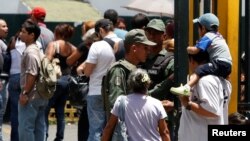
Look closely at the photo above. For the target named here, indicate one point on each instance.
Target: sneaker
(182, 90)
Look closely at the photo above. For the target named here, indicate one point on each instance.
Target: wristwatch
(188, 107)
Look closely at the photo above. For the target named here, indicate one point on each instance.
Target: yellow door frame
(228, 13)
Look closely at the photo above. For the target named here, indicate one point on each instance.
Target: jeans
(32, 121)
(58, 101)
(216, 67)
(14, 92)
(3, 103)
(96, 116)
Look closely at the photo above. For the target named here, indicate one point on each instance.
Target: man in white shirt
(207, 105)
(100, 57)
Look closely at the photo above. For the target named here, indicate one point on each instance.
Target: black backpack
(7, 62)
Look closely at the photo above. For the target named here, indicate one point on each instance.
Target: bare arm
(80, 68)
(196, 107)
(109, 129)
(30, 82)
(88, 70)
(192, 50)
(50, 51)
(74, 56)
(168, 105)
(163, 130)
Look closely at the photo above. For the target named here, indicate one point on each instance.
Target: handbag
(78, 90)
(120, 132)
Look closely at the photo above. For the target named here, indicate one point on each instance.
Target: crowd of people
(138, 63)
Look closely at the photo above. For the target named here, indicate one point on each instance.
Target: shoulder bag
(78, 90)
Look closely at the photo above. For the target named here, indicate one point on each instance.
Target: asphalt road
(69, 135)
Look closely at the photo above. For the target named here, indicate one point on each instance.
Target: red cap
(38, 12)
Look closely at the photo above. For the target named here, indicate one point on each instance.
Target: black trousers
(83, 124)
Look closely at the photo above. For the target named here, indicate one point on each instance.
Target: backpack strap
(125, 64)
(163, 59)
(157, 70)
(57, 47)
(110, 42)
(119, 51)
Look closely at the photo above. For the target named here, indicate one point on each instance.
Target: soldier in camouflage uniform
(114, 84)
(160, 67)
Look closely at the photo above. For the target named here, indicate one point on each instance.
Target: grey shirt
(216, 47)
(30, 64)
(45, 37)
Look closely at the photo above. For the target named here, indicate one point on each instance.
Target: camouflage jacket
(115, 83)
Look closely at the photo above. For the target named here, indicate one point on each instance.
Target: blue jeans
(3, 103)
(215, 67)
(14, 92)
(58, 101)
(96, 116)
(32, 121)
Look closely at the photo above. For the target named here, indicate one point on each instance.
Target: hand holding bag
(79, 87)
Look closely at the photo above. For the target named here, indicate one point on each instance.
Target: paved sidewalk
(70, 132)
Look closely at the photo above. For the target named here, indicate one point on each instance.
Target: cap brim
(149, 43)
(196, 20)
(155, 28)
